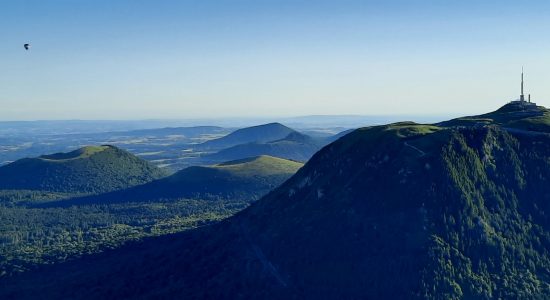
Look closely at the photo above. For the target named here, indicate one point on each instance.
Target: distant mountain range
(173, 148)
(91, 169)
(295, 146)
(255, 134)
(270, 139)
(189, 132)
(246, 179)
(26, 128)
(455, 210)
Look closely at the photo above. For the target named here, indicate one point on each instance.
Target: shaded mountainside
(91, 169)
(401, 211)
(295, 146)
(246, 179)
(255, 134)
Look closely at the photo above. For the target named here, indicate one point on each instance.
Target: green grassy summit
(83, 152)
(512, 115)
(261, 165)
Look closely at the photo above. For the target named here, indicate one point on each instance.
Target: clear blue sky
(134, 59)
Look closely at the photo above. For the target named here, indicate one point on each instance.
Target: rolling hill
(256, 134)
(295, 146)
(91, 169)
(246, 179)
(401, 211)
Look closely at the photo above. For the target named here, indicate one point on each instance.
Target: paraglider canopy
(27, 46)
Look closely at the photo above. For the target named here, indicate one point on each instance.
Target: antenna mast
(522, 97)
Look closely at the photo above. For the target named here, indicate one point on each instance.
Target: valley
(60, 206)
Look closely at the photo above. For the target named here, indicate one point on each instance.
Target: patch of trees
(32, 236)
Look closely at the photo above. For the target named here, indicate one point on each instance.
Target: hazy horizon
(135, 60)
(237, 117)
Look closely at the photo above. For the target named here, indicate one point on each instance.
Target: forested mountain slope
(91, 169)
(401, 211)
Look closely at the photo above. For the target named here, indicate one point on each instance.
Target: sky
(137, 59)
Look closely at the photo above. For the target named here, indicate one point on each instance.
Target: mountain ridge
(404, 210)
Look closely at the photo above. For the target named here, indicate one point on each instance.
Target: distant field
(162, 148)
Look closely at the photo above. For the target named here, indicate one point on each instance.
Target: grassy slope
(83, 152)
(260, 166)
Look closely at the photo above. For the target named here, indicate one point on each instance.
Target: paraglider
(27, 46)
